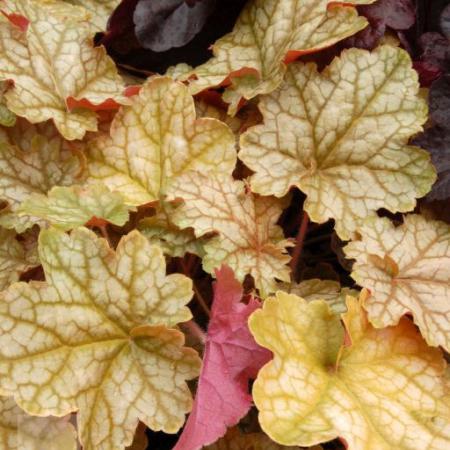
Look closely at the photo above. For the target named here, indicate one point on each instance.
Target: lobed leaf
(155, 140)
(98, 11)
(98, 337)
(386, 389)
(248, 240)
(341, 137)
(70, 207)
(407, 270)
(18, 431)
(57, 72)
(268, 34)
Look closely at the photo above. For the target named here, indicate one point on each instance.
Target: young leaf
(55, 67)
(98, 11)
(235, 440)
(98, 337)
(33, 159)
(316, 289)
(14, 258)
(269, 33)
(157, 139)
(385, 390)
(18, 431)
(407, 270)
(159, 229)
(70, 207)
(248, 240)
(231, 358)
(341, 137)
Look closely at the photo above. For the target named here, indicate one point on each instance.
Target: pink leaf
(231, 358)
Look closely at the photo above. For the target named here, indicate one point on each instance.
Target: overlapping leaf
(99, 11)
(98, 337)
(18, 431)
(55, 67)
(316, 289)
(385, 390)
(15, 258)
(269, 33)
(341, 137)
(70, 207)
(157, 139)
(407, 270)
(231, 358)
(248, 240)
(33, 159)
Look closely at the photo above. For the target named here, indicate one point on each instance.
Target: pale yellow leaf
(384, 390)
(267, 34)
(70, 207)
(19, 431)
(33, 159)
(98, 337)
(155, 140)
(54, 61)
(341, 136)
(248, 240)
(407, 270)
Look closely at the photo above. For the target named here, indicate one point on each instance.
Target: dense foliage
(224, 224)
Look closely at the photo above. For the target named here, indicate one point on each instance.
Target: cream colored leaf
(33, 159)
(174, 241)
(70, 207)
(407, 270)
(157, 139)
(14, 258)
(19, 431)
(98, 11)
(55, 67)
(267, 34)
(316, 289)
(235, 440)
(341, 137)
(97, 336)
(248, 240)
(385, 390)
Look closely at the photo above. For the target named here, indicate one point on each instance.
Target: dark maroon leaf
(445, 22)
(428, 72)
(435, 48)
(439, 101)
(163, 24)
(123, 46)
(437, 141)
(395, 14)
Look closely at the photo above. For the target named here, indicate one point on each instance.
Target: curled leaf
(341, 136)
(267, 34)
(419, 251)
(100, 338)
(384, 390)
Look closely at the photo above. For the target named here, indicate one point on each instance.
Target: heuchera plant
(249, 251)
